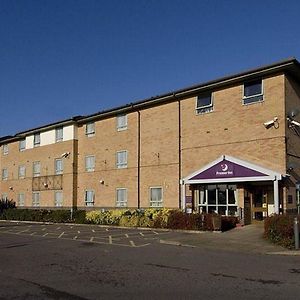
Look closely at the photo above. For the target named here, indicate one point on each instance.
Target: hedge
(44, 215)
(154, 218)
(279, 229)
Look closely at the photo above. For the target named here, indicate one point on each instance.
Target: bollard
(71, 213)
(296, 233)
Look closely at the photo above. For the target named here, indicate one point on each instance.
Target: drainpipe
(139, 161)
(179, 155)
(276, 195)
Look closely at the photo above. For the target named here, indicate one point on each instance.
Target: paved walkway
(241, 239)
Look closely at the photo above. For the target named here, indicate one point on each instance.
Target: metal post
(296, 233)
(276, 196)
(71, 213)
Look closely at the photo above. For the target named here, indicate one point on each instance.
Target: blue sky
(64, 58)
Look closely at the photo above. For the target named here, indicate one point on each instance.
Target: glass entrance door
(259, 205)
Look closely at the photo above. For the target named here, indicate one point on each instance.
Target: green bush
(6, 204)
(279, 229)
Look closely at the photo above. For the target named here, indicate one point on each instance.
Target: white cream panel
(48, 137)
(29, 141)
(70, 132)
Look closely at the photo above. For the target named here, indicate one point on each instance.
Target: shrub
(279, 229)
(6, 204)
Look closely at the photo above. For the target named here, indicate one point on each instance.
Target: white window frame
(4, 175)
(36, 174)
(36, 199)
(90, 129)
(56, 170)
(121, 165)
(5, 149)
(200, 110)
(21, 199)
(91, 202)
(156, 203)
(120, 125)
(58, 201)
(22, 142)
(121, 202)
(37, 139)
(59, 134)
(91, 168)
(253, 96)
(21, 176)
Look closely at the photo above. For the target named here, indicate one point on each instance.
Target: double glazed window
(21, 199)
(22, 171)
(121, 197)
(156, 197)
(36, 168)
(4, 174)
(22, 145)
(59, 134)
(58, 198)
(90, 163)
(89, 198)
(36, 139)
(59, 166)
(5, 149)
(90, 129)
(221, 199)
(121, 159)
(121, 122)
(204, 103)
(253, 92)
(36, 199)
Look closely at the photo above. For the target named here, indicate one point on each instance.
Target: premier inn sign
(227, 169)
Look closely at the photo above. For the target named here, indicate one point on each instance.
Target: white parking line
(57, 228)
(75, 237)
(45, 234)
(132, 243)
(22, 231)
(110, 239)
(91, 239)
(126, 235)
(61, 235)
(106, 229)
(141, 234)
(33, 233)
(93, 230)
(78, 231)
(43, 229)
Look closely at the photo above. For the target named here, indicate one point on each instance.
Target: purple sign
(227, 169)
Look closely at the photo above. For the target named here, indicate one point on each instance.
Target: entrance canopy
(229, 169)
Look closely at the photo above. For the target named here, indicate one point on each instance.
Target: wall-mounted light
(101, 181)
(11, 188)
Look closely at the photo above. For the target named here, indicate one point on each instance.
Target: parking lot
(87, 233)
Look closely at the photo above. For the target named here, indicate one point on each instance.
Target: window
(90, 163)
(156, 199)
(22, 172)
(36, 168)
(4, 174)
(36, 139)
(58, 198)
(121, 122)
(121, 159)
(221, 199)
(5, 149)
(90, 129)
(89, 198)
(253, 92)
(204, 103)
(21, 199)
(59, 166)
(121, 200)
(36, 199)
(59, 134)
(22, 145)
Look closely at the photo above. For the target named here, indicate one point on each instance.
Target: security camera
(65, 154)
(271, 122)
(11, 188)
(295, 123)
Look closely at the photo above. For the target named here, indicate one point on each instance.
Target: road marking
(91, 239)
(57, 228)
(33, 233)
(60, 235)
(126, 235)
(141, 234)
(22, 231)
(93, 230)
(75, 237)
(45, 234)
(155, 232)
(110, 239)
(78, 231)
(71, 227)
(106, 229)
(132, 243)
(43, 229)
